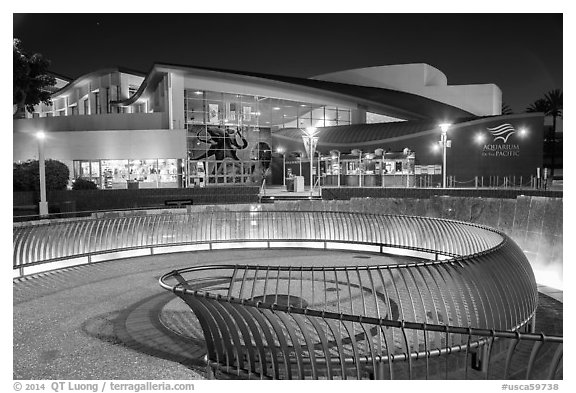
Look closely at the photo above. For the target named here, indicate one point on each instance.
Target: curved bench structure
(457, 309)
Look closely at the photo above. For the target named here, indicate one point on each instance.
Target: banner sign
(231, 111)
(213, 113)
(247, 111)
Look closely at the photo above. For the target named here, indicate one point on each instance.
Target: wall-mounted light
(480, 137)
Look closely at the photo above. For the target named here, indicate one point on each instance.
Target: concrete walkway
(102, 321)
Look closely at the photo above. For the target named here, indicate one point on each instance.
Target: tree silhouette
(540, 105)
(506, 109)
(31, 79)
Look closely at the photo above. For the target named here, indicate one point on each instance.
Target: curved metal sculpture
(459, 309)
(359, 322)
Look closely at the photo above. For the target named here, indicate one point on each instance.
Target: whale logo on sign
(502, 132)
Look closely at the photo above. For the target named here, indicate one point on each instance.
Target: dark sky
(521, 53)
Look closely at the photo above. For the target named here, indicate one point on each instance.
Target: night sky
(521, 53)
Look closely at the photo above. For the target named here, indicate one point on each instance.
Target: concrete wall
(427, 81)
(534, 223)
(103, 145)
(107, 121)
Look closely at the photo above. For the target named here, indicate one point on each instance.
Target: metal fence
(43, 242)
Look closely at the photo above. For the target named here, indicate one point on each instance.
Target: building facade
(180, 126)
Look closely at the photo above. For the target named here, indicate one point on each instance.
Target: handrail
(48, 241)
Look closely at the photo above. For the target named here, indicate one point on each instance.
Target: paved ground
(103, 321)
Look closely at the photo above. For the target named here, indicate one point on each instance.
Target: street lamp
(310, 142)
(280, 150)
(358, 152)
(43, 206)
(335, 154)
(318, 171)
(445, 143)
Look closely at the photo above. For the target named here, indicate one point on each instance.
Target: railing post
(209, 371)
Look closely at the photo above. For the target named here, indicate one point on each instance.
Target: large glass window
(228, 109)
(88, 170)
(115, 174)
(343, 116)
(378, 118)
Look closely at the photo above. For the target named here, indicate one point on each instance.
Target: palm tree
(550, 105)
(554, 100)
(540, 105)
(506, 109)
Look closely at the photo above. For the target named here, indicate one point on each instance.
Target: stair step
(273, 198)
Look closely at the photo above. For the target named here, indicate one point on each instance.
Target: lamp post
(358, 152)
(310, 142)
(445, 143)
(280, 150)
(318, 171)
(380, 153)
(43, 205)
(335, 154)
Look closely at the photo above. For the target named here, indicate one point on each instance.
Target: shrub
(83, 184)
(26, 176)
